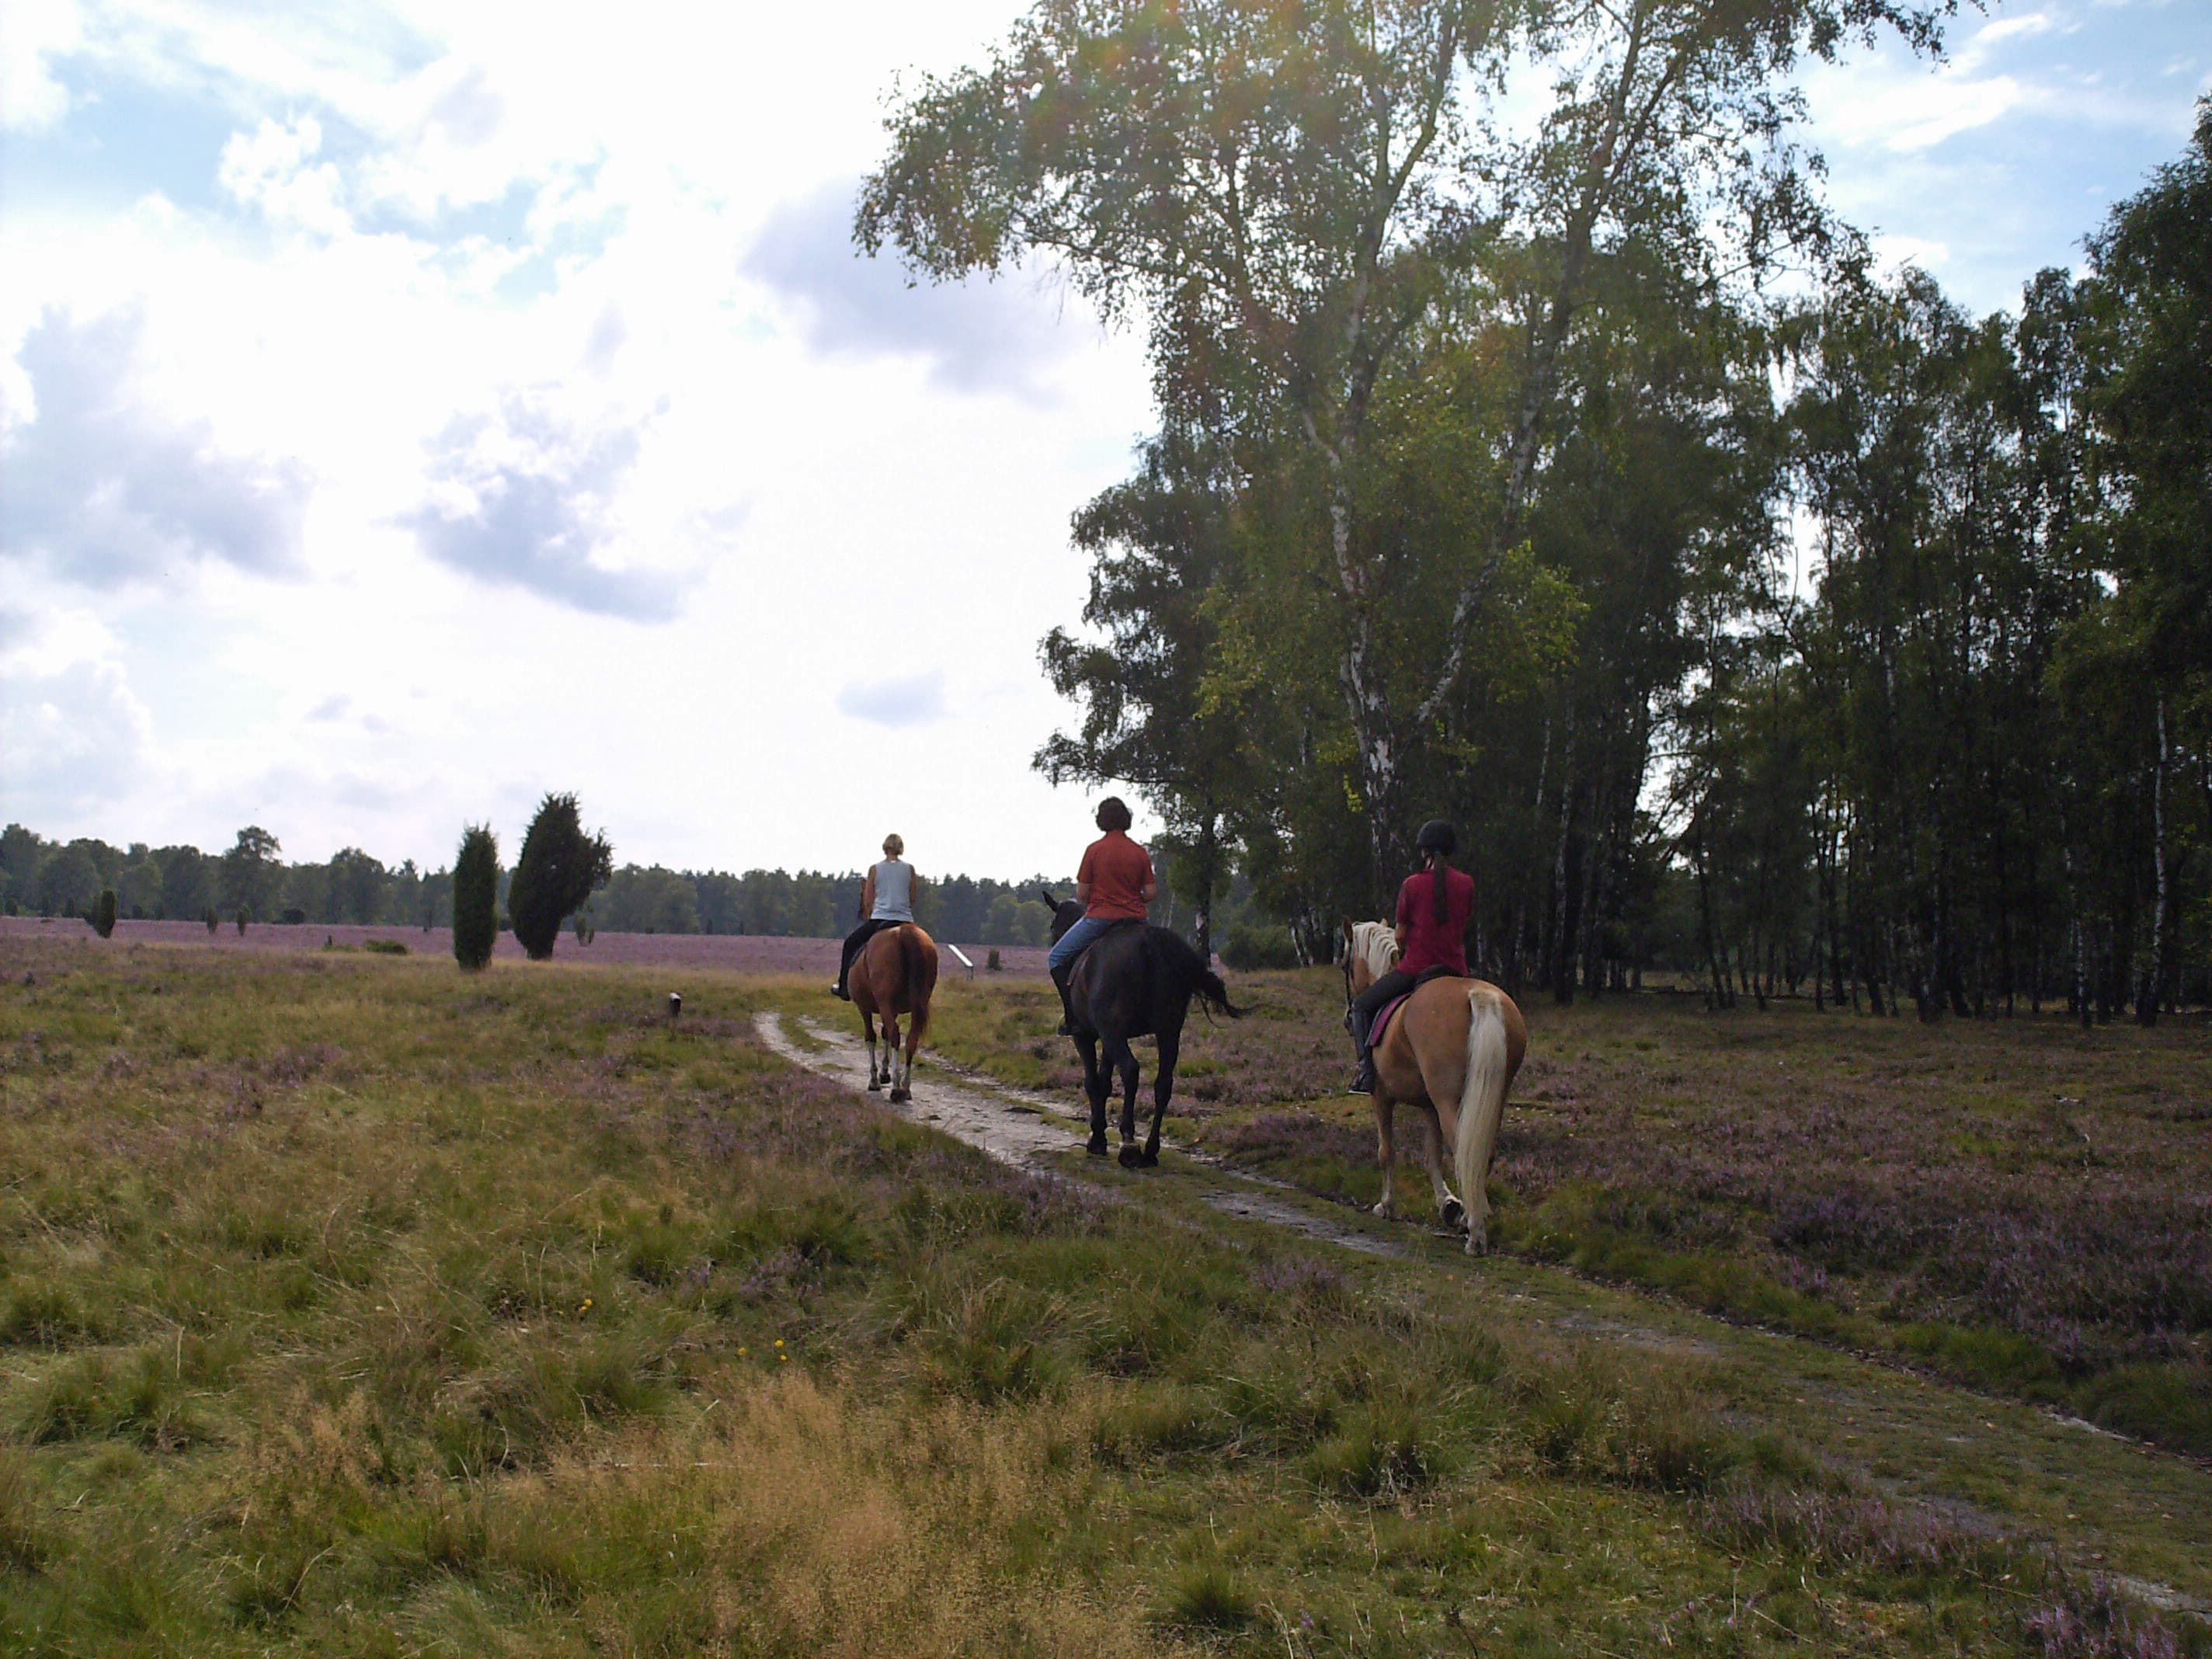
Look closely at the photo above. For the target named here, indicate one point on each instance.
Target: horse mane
(1375, 943)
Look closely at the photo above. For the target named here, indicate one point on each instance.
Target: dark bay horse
(894, 975)
(1135, 981)
(1450, 1051)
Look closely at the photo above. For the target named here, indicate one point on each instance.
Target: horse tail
(921, 976)
(1215, 993)
(1182, 956)
(1482, 1096)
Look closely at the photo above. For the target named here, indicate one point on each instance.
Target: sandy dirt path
(1023, 1129)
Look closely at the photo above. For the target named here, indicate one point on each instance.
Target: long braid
(1441, 911)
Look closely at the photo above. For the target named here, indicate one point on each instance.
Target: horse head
(1065, 914)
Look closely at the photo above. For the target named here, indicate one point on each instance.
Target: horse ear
(1049, 898)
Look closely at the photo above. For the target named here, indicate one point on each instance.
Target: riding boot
(1061, 977)
(1362, 1081)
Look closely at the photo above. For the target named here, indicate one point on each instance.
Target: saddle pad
(1383, 1016)
(1389, 1010)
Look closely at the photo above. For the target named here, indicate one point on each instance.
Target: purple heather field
(2018, 1201)
(742, 953)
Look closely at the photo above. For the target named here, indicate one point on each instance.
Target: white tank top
(894, 891)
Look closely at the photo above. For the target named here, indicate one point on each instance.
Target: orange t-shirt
(1117, 871)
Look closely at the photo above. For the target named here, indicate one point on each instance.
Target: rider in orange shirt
(1114, 883)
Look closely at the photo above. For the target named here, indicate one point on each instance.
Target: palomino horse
(1134, 980)
(894, 975)
(1451, 1050)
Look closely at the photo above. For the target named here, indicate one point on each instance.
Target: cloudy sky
(407, 411)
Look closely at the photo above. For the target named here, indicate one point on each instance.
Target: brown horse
(1451, 1050)
(894, 975)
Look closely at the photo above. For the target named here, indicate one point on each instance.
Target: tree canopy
(1310, 207)
(1815, 637)
(559, 868)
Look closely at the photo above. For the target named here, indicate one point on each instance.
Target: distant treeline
(56, 878)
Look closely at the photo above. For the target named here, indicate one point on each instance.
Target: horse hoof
(1455, 1213)
(899, 1097)
(874, 1087)
(1131, 1158)
(1096, 1148)
(1148, 1160)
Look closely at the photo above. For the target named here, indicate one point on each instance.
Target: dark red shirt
(1117, 871)
(1430, 942)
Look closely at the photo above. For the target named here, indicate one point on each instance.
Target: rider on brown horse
(1435, 905)
(887, 896)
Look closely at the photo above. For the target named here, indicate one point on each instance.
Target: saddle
(1119, 925)
(1388, 1010)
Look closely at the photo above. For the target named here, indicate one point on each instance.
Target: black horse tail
(1173, 951)
(1216, 994)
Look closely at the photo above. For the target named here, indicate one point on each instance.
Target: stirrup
(1363, 1080)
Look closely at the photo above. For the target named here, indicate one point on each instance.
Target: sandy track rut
(1017, 1127)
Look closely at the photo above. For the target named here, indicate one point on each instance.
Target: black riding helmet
(1437, 836)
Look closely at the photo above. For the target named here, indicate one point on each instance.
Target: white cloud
(976, 336)
(1893, 253)
(32, 32)
(40, 644)
(270, 169)
(1999, 29)
(108, 486)
(1954, 104)
(523, 500)
(72, 733)
(905, 700)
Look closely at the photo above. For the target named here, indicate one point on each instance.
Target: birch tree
(1273, 192)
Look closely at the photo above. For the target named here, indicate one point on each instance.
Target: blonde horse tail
(1481, 1100)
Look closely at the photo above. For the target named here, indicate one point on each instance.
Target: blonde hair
(895, 845)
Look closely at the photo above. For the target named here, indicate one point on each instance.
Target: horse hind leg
(1094, 1092)
(1164, 1066)
(891, 1058)
(1449, 1210)
(868, 1028)
(1385, 1151)
(905, 1090)
(1123, 1059)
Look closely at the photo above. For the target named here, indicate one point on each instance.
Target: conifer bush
(476, 897)
(559, 868)
(103, 913)
(241, 920)
(208, 917)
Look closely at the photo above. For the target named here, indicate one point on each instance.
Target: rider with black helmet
(1435, 905)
